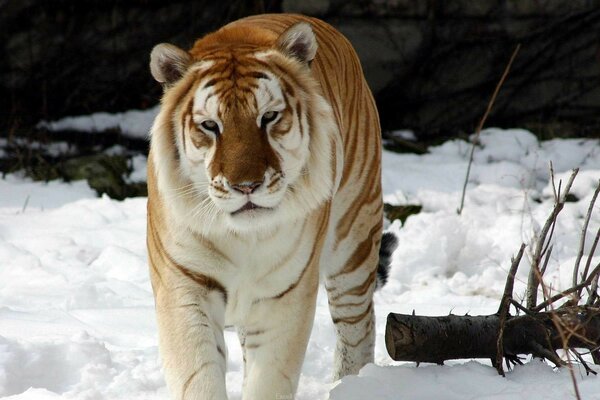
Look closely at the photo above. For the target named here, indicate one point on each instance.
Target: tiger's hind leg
(350, 293)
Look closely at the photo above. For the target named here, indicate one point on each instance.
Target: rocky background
(432, 64)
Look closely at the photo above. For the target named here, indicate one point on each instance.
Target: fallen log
(437, 339)
(561, 321)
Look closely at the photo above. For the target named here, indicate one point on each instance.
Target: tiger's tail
(389, 242)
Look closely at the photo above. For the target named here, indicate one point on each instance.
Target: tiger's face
(242, 127)
(245, 138)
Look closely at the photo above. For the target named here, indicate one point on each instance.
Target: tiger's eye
(210, 125)
(267, 117)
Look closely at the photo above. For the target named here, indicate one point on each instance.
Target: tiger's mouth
(249, 206)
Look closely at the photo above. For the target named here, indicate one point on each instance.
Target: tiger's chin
(251, 218)
(252, 213)
(250, 209)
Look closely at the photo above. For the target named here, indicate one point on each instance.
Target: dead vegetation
(567, 320)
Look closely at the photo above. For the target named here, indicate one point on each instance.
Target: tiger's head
(244, 139)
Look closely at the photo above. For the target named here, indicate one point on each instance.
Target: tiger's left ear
(168, 63)
(299, 42)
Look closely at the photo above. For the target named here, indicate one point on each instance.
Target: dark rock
(104, 173)
(386, 50)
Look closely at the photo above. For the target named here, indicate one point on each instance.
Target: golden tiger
(263, 177)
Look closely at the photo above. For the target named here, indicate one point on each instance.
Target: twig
(505, 306)
(595, 356)
(570, 364)
(547, 256)
(482, 122)
(556, 199)
(554, 192)
(556, 320)
(25, 205)
(593, 291)
(535, 273)
(583, 235)
(568, 291)
(591, 254)
(588, 370)
(518, 306)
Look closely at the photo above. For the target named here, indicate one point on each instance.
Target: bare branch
(548, 253)
(482, 122)
(588, 370)
(520, 307)
(558, 323)
(539, 245)
(505, 306)
(582, 240)
(592, 252)
(568, 291)
(593, 291)
(552, 180)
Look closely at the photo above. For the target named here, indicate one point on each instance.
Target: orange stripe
(316, 251)
(362, 339)
(359, 290)
(355, 319)
(203, 280)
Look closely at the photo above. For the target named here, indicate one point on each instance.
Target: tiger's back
(262, 275)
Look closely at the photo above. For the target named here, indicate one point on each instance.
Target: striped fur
(246, 214)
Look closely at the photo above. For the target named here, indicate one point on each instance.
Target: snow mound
(471, 380)
(79, 366)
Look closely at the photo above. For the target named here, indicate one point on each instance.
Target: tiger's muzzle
(248, 197)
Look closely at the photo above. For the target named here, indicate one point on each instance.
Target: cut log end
(397, 335)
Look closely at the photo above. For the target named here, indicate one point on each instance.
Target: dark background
(432, 64)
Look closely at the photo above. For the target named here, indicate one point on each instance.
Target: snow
(76, 307)
(53, 149)
(133, 123)
(471, 380)
(404, 134)
(19, 193)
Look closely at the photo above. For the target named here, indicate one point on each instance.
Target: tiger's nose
(247, 187)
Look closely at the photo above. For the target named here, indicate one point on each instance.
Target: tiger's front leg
(190, 325)
(276, 339)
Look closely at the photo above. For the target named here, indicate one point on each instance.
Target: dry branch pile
(568, 320)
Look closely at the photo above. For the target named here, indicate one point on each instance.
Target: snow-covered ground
(76, 308)
(132, 123)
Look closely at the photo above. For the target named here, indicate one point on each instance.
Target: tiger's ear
(168, 63)
(299, 42)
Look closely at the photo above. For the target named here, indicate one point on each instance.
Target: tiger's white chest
(263, 266)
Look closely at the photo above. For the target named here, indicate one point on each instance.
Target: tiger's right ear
(298, 42)
(168, 63)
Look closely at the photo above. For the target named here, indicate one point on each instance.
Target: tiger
(264, 179)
